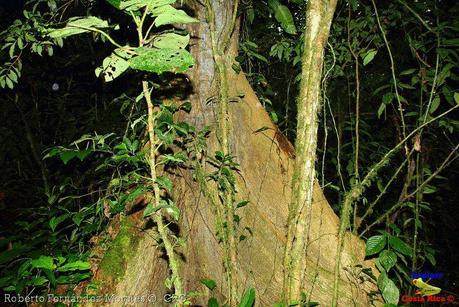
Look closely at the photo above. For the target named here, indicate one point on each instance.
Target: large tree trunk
(266, 161)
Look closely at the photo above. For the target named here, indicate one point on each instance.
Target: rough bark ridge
(266, 162)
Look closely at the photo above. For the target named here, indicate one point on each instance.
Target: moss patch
(113, 265)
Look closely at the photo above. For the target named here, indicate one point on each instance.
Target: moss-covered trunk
(319, 15)
(266, 160)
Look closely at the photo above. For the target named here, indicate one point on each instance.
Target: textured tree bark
(319, 15)
(264, 178)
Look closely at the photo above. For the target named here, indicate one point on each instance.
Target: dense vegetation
(95, 108)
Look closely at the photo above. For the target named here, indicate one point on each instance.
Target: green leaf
(20, 43)
(115, 3)
(43, 262)
(387, 259)
(164, 182)
(78, 217)
(113, 65)
(408, 72)
(242, 204)
(72, 279)
(369, 56)
(283, 16)
(75, 266)
(39, 280)
(149, 210)
(173, 210)
(388, 289)
(177, 158)
(162, 60)
(171, 41)
(456, 98)
(9, 83)
(375, 244)
(209, 283)
(78, 25)
(67, 155)
(134, 5)
(248, 299)
(212, 302)
(431, 259)
(434, 105)
(400, 246)
(167, 14)
(56, 220)
(135, 194)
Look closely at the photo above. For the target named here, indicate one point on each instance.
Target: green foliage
(247, 299)
(114, 65)
(78, 25)
(389, 290)
(283, 16)
(161, 60)
(67, 222)
(46, 271)
(24, 35)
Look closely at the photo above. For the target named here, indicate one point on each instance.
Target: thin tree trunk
(319, 15)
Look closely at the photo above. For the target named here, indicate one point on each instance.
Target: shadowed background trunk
(266, 161)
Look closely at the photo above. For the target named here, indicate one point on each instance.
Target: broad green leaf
(435, 104)
(165, 183)
(387, 259)
(134, 5)
(56, 220)
(177, 158)
(113, 65)
(242, 204)
(456, 98)
(283, 16)
(248, 299)
(72, 279)
(408, 72)
(167, 15)
(387, 98)
(75, 266)
(9, 83)
(78, 25)
(250, 12)
(212, 302)
(149, 210)
(388, 289)
(431, 259)
(209, 283)
(400, 246)
(133, 195)
(375, 244)
(78, 217)
(174, 211)
(115, 3)
(369, 56)
(171, 41)
(162, 60)
(43, 262)
(67, 155)
(168, 205)
(39, 280)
